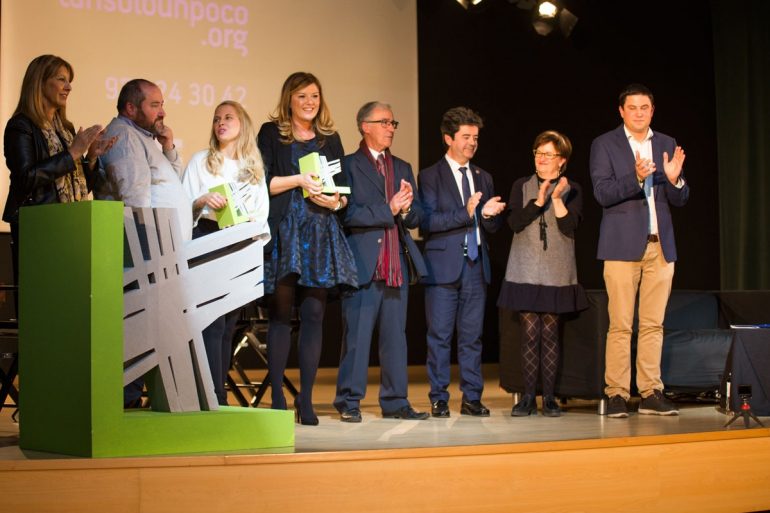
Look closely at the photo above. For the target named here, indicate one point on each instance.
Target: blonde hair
(31, 97)
(322, 124)
(250, 166)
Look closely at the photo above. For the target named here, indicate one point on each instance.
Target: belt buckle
(653, 237)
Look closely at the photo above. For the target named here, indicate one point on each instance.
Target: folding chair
(254, 339)
(9, 355)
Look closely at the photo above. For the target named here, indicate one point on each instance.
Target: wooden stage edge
(722, 471)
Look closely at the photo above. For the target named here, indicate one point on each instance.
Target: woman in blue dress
(308, 256)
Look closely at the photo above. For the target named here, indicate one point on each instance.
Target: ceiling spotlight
(547, 10)
(468, 3)
(548, 15)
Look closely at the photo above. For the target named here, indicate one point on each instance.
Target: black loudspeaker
(693, 360)
(749, 364)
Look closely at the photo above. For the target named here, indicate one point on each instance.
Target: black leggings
(312, 305)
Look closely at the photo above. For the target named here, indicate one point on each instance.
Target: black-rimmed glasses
(384, 122)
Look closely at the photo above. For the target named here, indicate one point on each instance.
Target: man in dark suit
(381, 209)
(637, 174)
(460, 207)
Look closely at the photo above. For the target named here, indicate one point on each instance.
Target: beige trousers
(651, 277)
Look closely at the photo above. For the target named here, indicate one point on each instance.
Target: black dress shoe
(439, 409)
(551, 407)
(406, 413)
(351, 415)
(525, 407)
(474, 408)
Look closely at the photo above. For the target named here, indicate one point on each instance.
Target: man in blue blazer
(636, 175)
(381, 209)
(460, 207)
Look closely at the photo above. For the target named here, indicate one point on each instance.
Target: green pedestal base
(71, 350)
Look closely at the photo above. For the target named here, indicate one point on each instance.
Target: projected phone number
(194, 93)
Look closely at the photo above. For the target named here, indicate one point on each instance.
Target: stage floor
(579, 421)
(580, 462)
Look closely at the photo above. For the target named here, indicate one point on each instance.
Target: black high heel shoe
(300, 419)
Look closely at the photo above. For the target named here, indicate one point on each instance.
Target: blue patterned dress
(310, 242)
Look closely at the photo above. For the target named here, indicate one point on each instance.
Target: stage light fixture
(548, 15)
(468, 3)
(547, 10)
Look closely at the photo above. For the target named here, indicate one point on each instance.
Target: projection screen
(203, 51)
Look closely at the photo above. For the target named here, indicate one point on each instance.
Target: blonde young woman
(309, 257)
(232, 156)
(50, 161)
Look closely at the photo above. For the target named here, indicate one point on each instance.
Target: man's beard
(144, 122)
(157, 127)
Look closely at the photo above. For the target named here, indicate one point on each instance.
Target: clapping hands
(402, 200)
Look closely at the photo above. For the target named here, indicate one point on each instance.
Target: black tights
(311, 314)
(539, 350)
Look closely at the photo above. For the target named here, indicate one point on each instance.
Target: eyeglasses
(385, 122)
(547, 155)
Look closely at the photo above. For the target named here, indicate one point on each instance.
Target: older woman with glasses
(541, 276)
(309, 256)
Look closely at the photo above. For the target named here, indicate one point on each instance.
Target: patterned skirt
(311, 244)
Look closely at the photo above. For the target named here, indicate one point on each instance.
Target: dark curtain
(742, 79)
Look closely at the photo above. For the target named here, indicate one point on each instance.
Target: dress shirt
(644, 149)
(455, 167)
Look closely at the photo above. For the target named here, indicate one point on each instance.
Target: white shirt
(198, 180)
(376, 154)
(458, 176)
(645, 151)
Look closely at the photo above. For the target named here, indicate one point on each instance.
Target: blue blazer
(446, 221)
(368, 213)
(625, 216)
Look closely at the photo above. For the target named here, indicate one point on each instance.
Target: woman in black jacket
(49, 161)
(308, 255)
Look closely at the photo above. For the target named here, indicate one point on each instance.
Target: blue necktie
(470, 237)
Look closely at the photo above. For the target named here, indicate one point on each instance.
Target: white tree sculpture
(173, 289)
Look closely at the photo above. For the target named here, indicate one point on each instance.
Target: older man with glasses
(381, 209)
